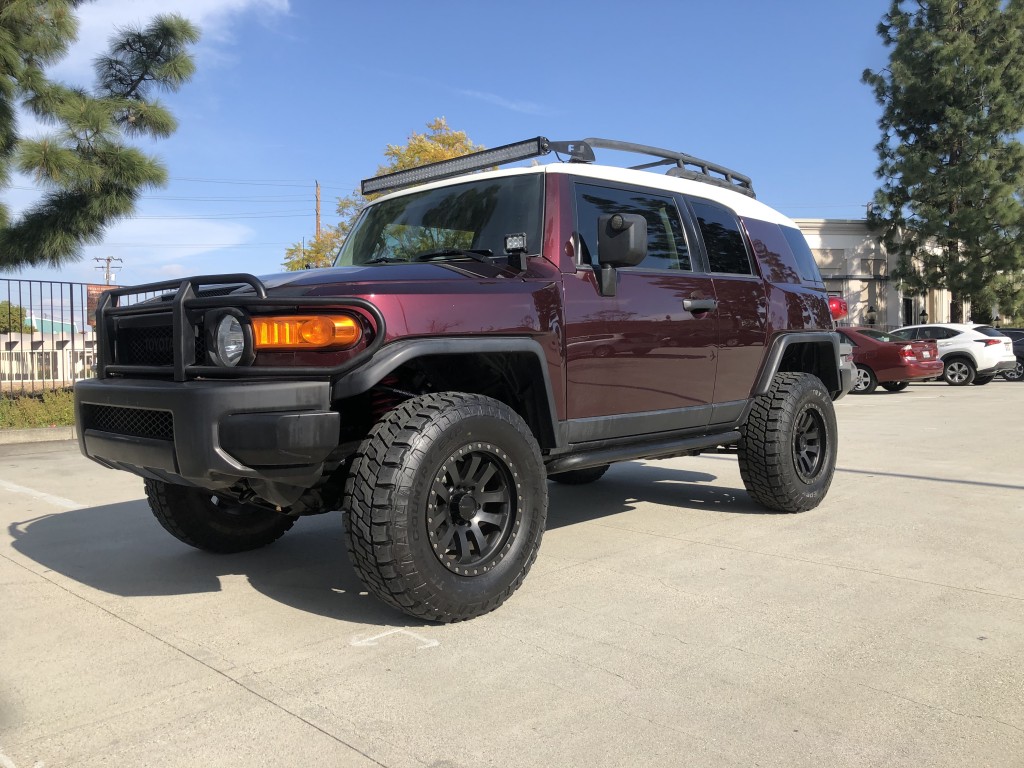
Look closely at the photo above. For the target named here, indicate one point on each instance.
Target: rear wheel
(212, 522)
(895, 386)
(864, 381)
(787, 449)
(445, 504)
(958, 372)
(980, 380)
(1017, 373)
(580, 476)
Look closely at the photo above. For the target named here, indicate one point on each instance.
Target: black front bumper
(275, 436)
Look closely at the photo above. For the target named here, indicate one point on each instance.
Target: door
(643, 360)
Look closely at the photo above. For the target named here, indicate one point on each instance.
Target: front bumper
(274, 436)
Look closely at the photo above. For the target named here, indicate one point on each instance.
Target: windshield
(475, 216)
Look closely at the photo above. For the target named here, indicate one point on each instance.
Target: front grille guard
(187, 309)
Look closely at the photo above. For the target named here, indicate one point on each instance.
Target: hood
(382, 274)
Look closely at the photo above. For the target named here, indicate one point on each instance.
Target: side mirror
(621, 242)
(621, 239)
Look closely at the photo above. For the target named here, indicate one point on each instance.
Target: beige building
(855, 266)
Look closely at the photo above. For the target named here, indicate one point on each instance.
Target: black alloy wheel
(472, 509)
(445, 505)
(809, 444)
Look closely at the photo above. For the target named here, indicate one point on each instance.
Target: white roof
(741, 204)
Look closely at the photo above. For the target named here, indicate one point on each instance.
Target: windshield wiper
(384, 260)
(479, 254)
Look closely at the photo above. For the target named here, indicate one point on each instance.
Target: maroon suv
(479, 333)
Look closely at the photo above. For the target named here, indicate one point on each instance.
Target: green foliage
(50, 409)
(950, 164)
(12, 318)
(440, 142)
(89, 175)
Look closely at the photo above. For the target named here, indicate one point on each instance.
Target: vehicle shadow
(121, 550)
(630, 483)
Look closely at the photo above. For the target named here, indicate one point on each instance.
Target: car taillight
(988, 342)
(838, 307)
(907, 353)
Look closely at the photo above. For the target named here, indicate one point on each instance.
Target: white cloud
(524, 107)
(99, 20)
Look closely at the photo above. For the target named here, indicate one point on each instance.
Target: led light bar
(477, 161)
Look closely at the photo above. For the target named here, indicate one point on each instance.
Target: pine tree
(951, 200)
(89, 173)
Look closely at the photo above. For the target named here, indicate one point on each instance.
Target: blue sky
(292, 91)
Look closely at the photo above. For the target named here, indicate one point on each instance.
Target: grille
(137, 422)
(145, 346)
(152, 346)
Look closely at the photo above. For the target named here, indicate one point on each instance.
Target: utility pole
(108, 267)
(318, 210)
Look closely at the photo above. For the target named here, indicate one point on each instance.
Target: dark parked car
(1017, 336)
(890, 361)
(467, 346)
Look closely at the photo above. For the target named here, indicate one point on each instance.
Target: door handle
(699, 305)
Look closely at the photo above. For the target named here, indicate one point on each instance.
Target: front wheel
(787, 449)
(864, 382)
(445, 505)
(982, 380)
(213, 522)
(895, 386)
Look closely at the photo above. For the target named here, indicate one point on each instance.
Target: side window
(722, 238)
(906, 333)
(847, 339)
(666, 243)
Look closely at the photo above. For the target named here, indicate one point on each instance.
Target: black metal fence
(46, 334)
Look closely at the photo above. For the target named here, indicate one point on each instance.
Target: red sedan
(884, 359)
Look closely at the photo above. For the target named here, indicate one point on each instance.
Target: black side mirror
(621, 242)
(622, 239)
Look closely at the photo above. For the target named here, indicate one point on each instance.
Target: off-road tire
(779, 469)
(213, 523)
(407, 532)
(864, 381)
(958, 372)
(580, 476)
(895, 386)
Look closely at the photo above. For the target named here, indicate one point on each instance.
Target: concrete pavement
(667, 621)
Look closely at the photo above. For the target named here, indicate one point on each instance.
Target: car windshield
(456, 222)
(988, 330)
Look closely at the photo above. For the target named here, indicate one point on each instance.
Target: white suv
(972, 353)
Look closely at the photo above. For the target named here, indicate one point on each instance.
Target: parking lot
(668, 621)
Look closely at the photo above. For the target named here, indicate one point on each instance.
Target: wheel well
(818, 358)
(513, 378)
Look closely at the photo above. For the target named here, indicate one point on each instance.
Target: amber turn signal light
(305, 332)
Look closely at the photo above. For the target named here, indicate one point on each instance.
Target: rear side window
(804, 258)
(722, 239)
(666, 243)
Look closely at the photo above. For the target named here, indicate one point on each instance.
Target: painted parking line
(49, 498)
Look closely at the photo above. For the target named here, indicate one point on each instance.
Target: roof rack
(683, 166)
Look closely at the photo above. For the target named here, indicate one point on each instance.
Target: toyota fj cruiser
(482, 331)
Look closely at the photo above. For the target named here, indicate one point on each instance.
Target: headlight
(230, 340)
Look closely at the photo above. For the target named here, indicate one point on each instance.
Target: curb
(42, 435)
